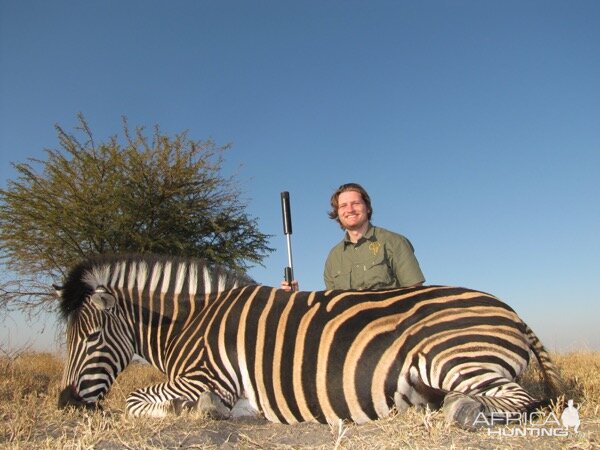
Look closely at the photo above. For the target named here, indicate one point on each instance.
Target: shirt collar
(368, 236)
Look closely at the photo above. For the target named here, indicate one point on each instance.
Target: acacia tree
(161, 195)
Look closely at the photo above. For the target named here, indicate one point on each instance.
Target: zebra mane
(165, 273)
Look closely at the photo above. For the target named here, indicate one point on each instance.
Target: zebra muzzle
(70, 398)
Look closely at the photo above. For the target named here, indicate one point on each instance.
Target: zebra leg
(493, 402)
(210, 405)
(176, 397)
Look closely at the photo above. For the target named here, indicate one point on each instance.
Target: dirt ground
(410, 430)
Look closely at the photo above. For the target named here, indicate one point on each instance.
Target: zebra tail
(550, 371)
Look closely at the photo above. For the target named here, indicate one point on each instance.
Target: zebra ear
(102, 300)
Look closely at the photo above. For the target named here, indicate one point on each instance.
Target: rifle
(288, 272)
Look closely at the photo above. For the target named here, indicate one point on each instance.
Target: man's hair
(333, 214)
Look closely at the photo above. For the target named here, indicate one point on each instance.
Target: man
(368, 257)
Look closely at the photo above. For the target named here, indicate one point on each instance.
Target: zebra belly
(409, 393)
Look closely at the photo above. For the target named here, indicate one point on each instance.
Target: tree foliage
(160, 194)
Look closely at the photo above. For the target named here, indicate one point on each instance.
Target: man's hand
(289, 287)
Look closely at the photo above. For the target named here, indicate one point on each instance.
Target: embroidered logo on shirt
(374, 247)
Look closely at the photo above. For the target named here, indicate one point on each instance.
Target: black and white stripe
(302, 356)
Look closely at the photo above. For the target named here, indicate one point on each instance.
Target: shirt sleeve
(404, 263)
(328, 272)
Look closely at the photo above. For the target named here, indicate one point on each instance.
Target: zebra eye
(94, 336)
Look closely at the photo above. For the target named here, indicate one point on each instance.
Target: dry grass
(29, 418)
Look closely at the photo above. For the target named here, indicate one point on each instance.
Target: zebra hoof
(211, 406)
(464, 411)
(181, 405)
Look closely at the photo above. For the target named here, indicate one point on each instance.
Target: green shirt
(380, 259)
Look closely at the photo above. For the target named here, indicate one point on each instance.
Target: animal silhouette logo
(570, 417)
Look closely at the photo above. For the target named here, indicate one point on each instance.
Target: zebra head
(98, 348)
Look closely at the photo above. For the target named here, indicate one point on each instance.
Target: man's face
(352, 210)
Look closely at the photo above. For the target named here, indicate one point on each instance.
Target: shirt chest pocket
(378, 273)
(341, 279)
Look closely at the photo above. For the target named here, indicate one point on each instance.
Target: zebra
(220, 338)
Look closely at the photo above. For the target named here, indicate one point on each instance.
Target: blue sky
(475, 126)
